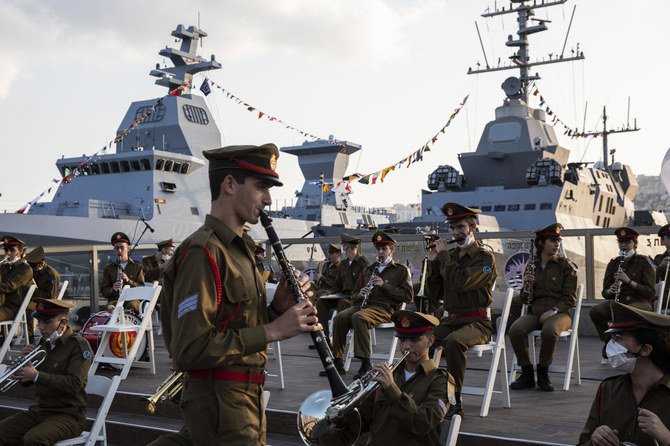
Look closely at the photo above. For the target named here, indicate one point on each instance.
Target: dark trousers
(36, 428)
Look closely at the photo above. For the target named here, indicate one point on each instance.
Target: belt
(228, 375)
(481, 312)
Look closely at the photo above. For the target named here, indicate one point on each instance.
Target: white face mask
(628, 254)
(468, 240)
(165, 257)
(616, 356)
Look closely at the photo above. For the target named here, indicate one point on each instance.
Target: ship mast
(605, 133)
(521, 58)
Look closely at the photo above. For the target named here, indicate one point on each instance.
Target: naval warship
(157, 176)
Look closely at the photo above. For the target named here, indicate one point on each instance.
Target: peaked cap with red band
(382, 238)
(665, 230)
(259, 161)
(455, 212)
(410, 324)
(165, 244)
(48, 308)
(8, 240)
(626, 234)
(119, 237)
(552, 231)
(629, 319)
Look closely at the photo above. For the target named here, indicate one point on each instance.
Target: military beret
(628, 318)
(8, 240)
(119, 237)
(410, 324)
(665, 230)
(334, 248)
(48, 308)
(382, 238)
(259, 161)
(36, 255)
(551, 231)
(625, 234)
(164, 244)
(455, 211)
(346, 238)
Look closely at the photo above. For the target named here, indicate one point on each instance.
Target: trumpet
(170, 389)
(36, 357)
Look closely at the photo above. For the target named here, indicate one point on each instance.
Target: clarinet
(528, 286)
(622, 259)
(119, 271)
(369, 284)
(337, 385)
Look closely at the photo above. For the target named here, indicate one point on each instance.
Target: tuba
(36, 357)
(321, 412)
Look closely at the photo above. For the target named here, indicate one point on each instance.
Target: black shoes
(543, 379)
(526, 380)
(339, 366)
(311, 347)
(455, 408)
(365, 368)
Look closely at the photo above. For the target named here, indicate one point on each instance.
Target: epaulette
(86, 351)
(484, 247)
(651, 261)
(199, 238)
(570, 263)
(441, 371)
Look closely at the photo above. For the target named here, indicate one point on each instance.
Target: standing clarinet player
(215, 320)
(629, 279)
(123, 271)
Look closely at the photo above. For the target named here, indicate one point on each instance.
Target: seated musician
(661, 262)
(132, 273)
(553, 284)
(16, 277)
(266, 270)
(633, 408)
(346, 279)
(382, 288)
(324, 283)
(59, 409)
(154, 264)
(463, 278)
(413, 398)
(629, 278)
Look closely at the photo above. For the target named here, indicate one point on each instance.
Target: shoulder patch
(86, 355)
(488, 263)
(85, 347)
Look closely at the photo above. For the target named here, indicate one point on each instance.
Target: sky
(383, 74)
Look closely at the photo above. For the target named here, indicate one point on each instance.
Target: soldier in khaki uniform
(633, 407)
(381, 289)
(154, 264)
(662, 260)
(132, 275)
(323, 284)
(413, 399)
(635, 282)
(266, 270)
(463, 277)
(59, 409)
(16, 277)
(46, 278)
(215, 320)
(554, 293)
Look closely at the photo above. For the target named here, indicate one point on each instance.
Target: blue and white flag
(205, 87)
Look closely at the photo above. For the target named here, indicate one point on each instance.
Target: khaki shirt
(213, 302)
(349, 274)
(326, 279)
(396, 289)
(615, 406)
(409, 412)
(47, 281)
(555, 285)
(152, 272)
(61, 383)
(639, 269)
(463, 283)
(134, 272)
(15, 281)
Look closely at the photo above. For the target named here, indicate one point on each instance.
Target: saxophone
(528, 286)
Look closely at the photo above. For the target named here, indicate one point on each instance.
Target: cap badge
(404, 322)
(558, 230)
(273, 162)
(450, 211)
(379, 237)
(622, 232)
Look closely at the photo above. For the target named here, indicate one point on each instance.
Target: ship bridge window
(95, 169)
(114, 165)
(529, 207)
(168, 187)
(135, 165)
(184, 168)
(176, 167)
(513, 207)
(545, 206)
(159, 164)
(104, 168)
(146, 164)
(85, 170)
(499, 208)
(168, 165)
(504, 132)
(486, 208)
(125, 166)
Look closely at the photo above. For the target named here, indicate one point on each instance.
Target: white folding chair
(660, 290)
(501, 299)
(106, 388)
(377, 356)
(274, 349)
(63, 287)
(573, 349)
(449, 430)
(117, 325)
(17, 326)
(266, 398)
